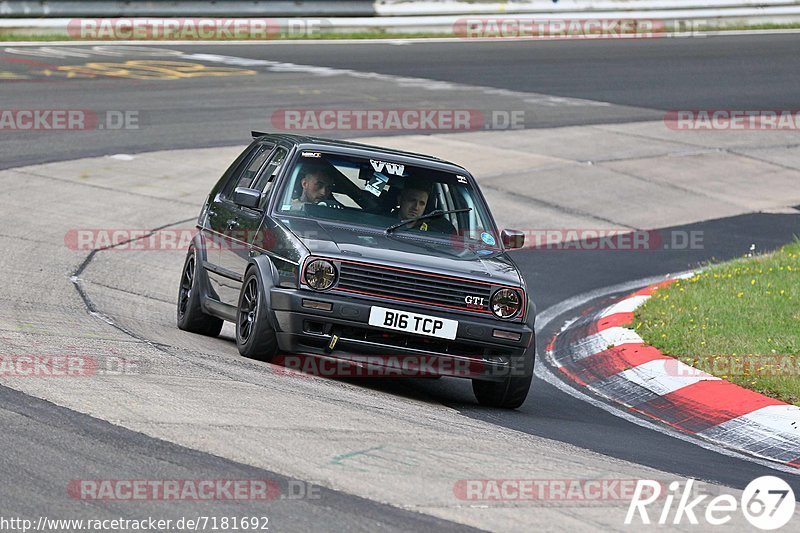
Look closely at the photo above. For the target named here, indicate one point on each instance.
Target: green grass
(769, 26)
(14, 37)
(738, 320)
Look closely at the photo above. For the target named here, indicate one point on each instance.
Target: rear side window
(248, 170)
(266, 179)
(247, 177)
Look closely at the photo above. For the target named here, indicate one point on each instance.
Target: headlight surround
(320, 274)
(506, 303)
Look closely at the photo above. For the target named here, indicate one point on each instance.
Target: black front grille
(415, 287)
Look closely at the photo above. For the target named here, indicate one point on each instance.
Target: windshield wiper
(432, 214)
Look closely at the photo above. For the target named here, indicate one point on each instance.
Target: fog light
(510, 335)
(313, 304)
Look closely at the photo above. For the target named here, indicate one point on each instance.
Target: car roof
(320, 142)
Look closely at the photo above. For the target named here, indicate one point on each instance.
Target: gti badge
(475, 301)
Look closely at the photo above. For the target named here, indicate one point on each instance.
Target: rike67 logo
(767, 502)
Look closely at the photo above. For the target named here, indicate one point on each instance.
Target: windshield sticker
(488, 238)
(461, 179)
(311, 154)
(377, 184)
(391, 168)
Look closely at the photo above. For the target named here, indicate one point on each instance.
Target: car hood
(371, 246)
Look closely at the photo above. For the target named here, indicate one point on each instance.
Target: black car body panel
(423, 274)
(365, 246)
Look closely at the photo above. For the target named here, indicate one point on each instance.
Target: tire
(190, 315)
(507, 394)
(255, 336)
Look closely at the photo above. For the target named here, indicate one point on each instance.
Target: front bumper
(474, 353)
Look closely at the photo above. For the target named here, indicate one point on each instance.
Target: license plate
(413, 323)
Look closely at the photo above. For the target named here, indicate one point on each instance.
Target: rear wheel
(508, 394)
(255, 336)
(190, 315)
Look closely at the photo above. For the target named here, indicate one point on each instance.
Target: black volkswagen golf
(364, 256)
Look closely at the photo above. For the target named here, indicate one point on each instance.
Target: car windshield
(380, 193)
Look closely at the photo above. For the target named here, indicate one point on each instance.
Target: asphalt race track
(383, 454)
(640, 79)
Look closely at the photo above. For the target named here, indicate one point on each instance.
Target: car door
(227, 222)
(244, 223)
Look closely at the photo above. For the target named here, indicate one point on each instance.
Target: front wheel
(255, 336)
(190, 314)
(509, 393)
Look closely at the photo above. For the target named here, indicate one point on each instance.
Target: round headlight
(506, 303)
(320, 274)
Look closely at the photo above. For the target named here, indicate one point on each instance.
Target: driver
(317, 188)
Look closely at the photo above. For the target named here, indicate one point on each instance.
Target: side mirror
(513, 239)
(247, 197)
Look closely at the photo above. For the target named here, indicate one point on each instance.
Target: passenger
(413, 201)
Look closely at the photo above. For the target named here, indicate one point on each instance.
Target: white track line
(664, 376)
(628, 305)
(608, 338)
(544, 372)
(544, 318)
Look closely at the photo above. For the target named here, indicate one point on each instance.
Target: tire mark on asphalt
(762, 160)
(110, 189)
(25, 239)
(552, 205)
(134, 293)
(87, 301)
(93, 310)
(672, 186)
(168, 349)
